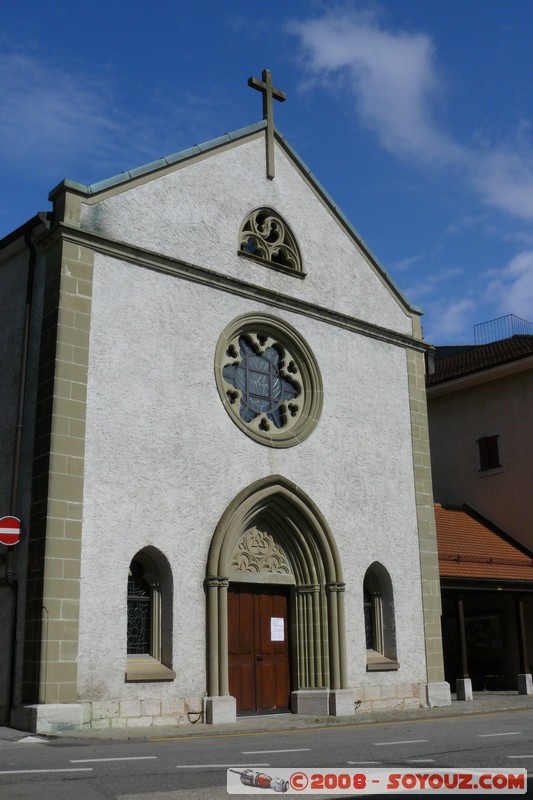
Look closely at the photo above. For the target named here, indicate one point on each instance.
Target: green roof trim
(212, 144)
(154, 166)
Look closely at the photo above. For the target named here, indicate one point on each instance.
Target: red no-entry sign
(9, 530)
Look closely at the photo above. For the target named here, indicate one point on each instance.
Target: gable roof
(471, 548)
(155, 167)
(456, 362)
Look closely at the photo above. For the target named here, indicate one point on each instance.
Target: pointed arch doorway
(274, 589)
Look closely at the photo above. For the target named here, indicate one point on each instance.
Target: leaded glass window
(264, 388)
(380, 627)
(369, 624)
(268, 380)
(139, 611)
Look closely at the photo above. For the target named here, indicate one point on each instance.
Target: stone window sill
(377, 662)
(482, 473)
(146, 668)
(272, 264)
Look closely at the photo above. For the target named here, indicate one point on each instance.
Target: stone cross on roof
(269, 92)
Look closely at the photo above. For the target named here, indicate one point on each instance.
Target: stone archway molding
(304, 535)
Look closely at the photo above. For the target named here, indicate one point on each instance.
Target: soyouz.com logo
(352, 782)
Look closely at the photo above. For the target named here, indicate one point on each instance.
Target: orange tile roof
(469, 548)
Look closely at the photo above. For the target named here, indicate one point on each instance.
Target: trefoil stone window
(266, 237)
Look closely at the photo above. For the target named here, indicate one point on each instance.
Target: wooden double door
(259, 653)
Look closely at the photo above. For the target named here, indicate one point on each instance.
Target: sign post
(9, 530)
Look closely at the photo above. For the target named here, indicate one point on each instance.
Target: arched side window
(149, 618)
(380, 627)
(266, 237)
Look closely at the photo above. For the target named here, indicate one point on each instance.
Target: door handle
(259, 657)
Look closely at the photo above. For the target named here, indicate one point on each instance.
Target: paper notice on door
(277, 629)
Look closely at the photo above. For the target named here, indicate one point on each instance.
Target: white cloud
(431, 284)
(56, 118)
(449, 322)
(47, 111)
(394, 78)
(392, 75)
(512, 290)
(505, 178)
(405, 263)
(466, 222)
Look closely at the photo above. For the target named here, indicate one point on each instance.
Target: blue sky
(415, 115)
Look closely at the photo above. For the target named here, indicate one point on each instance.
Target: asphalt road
(194, 768)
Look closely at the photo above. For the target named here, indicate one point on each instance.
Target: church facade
(223, 473)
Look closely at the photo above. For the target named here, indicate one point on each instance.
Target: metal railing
(501, 328)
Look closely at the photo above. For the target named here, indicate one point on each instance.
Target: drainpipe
(11, 580)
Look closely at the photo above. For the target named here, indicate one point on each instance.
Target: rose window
(268, 380)
(263, 379)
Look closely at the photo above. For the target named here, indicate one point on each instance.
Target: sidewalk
(483, 703)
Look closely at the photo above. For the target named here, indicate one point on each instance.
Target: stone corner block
(310, 701)
(525, 683)
(219, 710)
(48, 717)
(463, 689)
(342, 703)
(438, 694)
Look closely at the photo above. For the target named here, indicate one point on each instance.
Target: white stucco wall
(163, 459)
(203, 204)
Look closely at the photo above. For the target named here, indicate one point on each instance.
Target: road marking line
(406, 741)
(486, 735)
(420, 760)
(219, 766)
(28, 771)
(519, 756)
(294, 750)
(122, 758)
(360, 763)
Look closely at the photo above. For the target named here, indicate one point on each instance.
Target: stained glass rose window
(268, 380)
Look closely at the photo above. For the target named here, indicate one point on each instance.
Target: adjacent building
(480, 405)
(480, 401)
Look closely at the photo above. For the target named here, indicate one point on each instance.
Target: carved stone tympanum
(258, 551)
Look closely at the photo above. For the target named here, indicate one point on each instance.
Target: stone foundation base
(310, 701)
(396, 697)
(220, 709)
(525, 684)
(102, 715)
(106, 714)
(463, 688)
(438, 694)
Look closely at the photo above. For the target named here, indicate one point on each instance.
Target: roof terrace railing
(501, 328)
